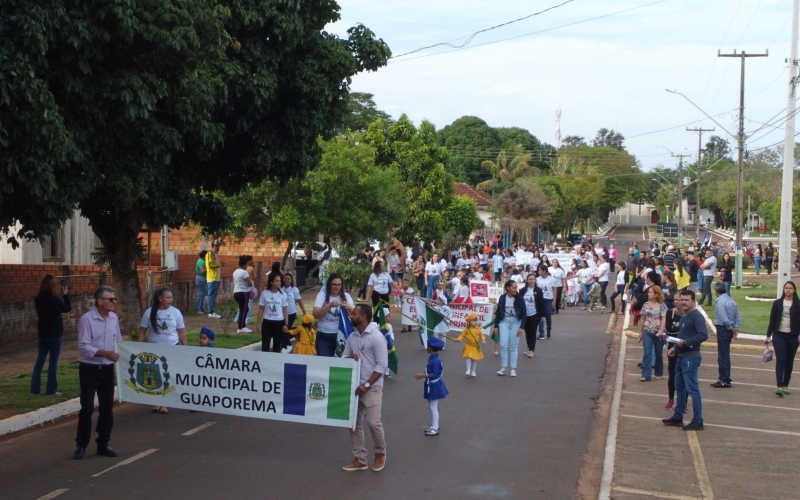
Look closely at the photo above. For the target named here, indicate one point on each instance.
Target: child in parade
(206, 336)
(397, 293)
(472, 349)
(594, 297)
(434, 386)
(407, 290)
(389, 334)
(306, 336)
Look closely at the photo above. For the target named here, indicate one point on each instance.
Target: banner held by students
(457, 314)
(305, 389)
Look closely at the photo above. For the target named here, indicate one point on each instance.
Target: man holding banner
(367, 346)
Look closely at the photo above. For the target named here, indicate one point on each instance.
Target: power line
(472, 36)
(533, 32)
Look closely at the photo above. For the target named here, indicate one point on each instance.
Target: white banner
(290, 387)
(482, 292)
(564, 259)
(485, 314)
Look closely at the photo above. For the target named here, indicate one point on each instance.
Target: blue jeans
(620, 289)
(724, 338)
(47, 346)
(686, 372)
(509, 342)
(586, 289)
(213, 290)
(202, 291)
(653, 348)
(326, 344)
(433, 283)
(547, 314)
(757, 263)
(728, 287)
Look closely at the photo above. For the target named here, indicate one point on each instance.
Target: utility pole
(680, 198)
(699, 154)
(785, 243)
(740, 137)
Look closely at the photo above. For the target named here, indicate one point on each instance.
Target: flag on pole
(345, 329)
(430, 320)
(384, 325)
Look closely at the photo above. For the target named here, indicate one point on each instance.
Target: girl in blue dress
(434, 386)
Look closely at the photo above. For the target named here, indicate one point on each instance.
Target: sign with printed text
(564, 259)
(485, 314)
(294, 388)
(482, 292)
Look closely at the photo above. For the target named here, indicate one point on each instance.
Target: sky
(609, 71)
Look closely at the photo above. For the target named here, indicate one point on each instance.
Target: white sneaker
(244, 330)
(513, 372)
(468, 374)
(214, 315)
(473, 374)
(501, 371)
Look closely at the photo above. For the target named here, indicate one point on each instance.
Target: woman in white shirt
(547, 284)
(163, 324)
(293, 300)
(586, 277)
(273, 310)
(603, 270)
(558, 274)
(433, 271)
(379, 285)
(328, 306)
(241, 292)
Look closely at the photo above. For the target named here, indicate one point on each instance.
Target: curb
(753, 299)
(635, 335)
(70, 407)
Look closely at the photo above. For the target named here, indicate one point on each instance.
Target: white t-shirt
(510, 312)
(530, 302)
(273, 304)
(463, 292)
(711, 270)
(433, 269)
(497, 263)
(510, 261)
(292, 295)
(461, 263)
(169, 321)
(558, 274)
(483, 258)
(621, 278)
(604, 270)
(240, 280)
(330, 322)
(518, 278)
(380, 283)
(546, 284)
(455, 285)
(585, 274)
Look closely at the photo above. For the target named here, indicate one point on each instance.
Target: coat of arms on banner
(149, 374)
(316, 390)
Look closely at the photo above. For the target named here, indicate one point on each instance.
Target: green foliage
(354, 273)
(426, 185)
(361, 111)
(461, 217)
(540, 152)
(717, 147)
(609, 139)
(470, 141)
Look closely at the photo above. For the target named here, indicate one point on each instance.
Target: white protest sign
(294, 388)
(485, 314)
(523, 258)
(564, 259)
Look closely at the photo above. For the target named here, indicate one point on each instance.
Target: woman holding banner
(327, 308)
(508, 322)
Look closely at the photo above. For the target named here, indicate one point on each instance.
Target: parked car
(574, 239)
(299, 251)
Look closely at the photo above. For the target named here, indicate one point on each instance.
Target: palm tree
(511, 163)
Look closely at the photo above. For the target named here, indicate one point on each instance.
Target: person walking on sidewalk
(728, 321)
(367, 346)
(783, 331)
(242, 283)
(708, 268)
(50, 304)
(98, 329)
(692, 333)
(213, 265)
(200, 283)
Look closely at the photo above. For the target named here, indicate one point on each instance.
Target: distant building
(482, 201)
(641, 214)
(72, 244)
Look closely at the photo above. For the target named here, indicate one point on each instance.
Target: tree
(511, 163)
(155, 105)
(425, 183)
(361, 111)
(776, 215)
(461, 217)
(609, 139)
(573, 141)
(540, 152)
(524, 205)
(469, 141)
(717, 147)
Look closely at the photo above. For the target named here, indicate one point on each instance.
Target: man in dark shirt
(669, 258)
(692, 267)
(693, 332)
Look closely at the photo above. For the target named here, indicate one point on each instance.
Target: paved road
(500, 437)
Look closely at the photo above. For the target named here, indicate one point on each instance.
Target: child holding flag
(306, 336)
(434, 386)
(472, 350)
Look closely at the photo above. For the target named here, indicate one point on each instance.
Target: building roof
(480, 198)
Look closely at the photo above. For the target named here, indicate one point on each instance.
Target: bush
(354, 274)
(761, 295)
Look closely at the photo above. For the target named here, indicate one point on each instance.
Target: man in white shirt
(709, 267)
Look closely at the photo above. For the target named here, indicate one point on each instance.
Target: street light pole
(740, 137)
(699, 154)
(680, 198)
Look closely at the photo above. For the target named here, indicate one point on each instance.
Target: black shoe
(721, 385)
(693, 426)
(673, 422)
(106, 451)
(79, 453)
(548, 336)
(540, 337)
(640, 365)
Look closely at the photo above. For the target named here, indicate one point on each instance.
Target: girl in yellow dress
(473, 333)
(306, 336)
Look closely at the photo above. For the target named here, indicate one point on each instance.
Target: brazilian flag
(384, 325)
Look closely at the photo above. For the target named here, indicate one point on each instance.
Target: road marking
(198, 429)
(613, 423)
(700, 466)
(53, 494)
(718, 401)
(634, 491)
(734, 427)
(638, 360)
(611, 321)
(712, 381)
(129, 460)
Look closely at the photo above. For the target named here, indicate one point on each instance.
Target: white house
(72, 244)
(640, 214)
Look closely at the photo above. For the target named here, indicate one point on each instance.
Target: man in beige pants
(368, 346)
